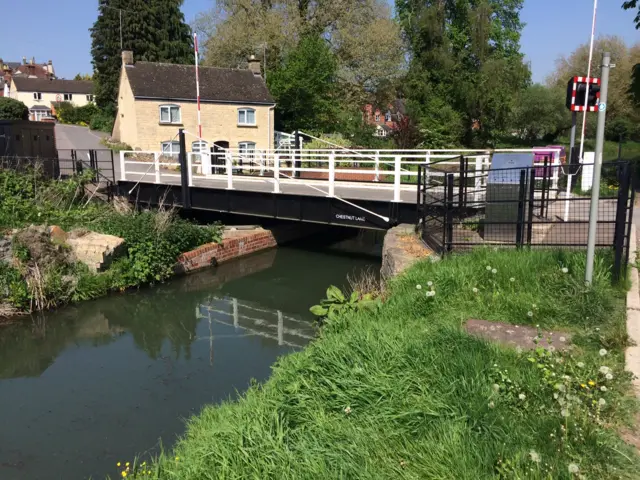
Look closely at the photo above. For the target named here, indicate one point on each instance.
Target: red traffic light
(576, 90)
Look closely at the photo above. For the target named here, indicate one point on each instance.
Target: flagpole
(586, 95)
(195, 43)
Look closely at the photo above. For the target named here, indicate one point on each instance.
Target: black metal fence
(519, 207)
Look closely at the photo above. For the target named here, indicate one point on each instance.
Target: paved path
(73, 137)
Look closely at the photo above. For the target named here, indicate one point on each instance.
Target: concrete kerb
(632, 354)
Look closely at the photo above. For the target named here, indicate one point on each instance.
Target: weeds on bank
(402, 391)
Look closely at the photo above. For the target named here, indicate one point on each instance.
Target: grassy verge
(43, 273)
(401, 391)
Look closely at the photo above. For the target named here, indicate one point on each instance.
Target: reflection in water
(89, 385)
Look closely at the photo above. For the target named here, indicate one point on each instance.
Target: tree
(304, 87)
(404, 133)
(83, 76)
(631, 4)
(541, 113)
(467, 54)
(11, 109)
(621, 109)
(154, 29)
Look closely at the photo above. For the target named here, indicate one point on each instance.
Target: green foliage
(11, 109)
(404, 392)
(103, 122)
(304, 87)
(154, 30)
(13, 287)
(68, 113)
(631, 4)
(540, 113)
(337, 305)
(83, 76)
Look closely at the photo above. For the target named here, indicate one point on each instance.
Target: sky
(554, 28)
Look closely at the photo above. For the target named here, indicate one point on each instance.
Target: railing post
(190, 168)
(261, 159)
(332, 174)
(276, 173)
(156, 165)
(532, 193)
(477, 185)
(123, 176)
(621, 220)
(521, 197)
(556, 164)
(545, 173)
(229, 165)
(448, 246)
(397, 179)
(427, 161)
(377, 166)
(184, 172)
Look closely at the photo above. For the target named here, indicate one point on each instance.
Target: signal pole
(595, 186)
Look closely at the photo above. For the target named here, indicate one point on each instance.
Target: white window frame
(377, 117)
(243, 117)
(37, 96)
(200, 146)
(168, 108)
(68, 97)
(170, 148)
(39, 114)
(90, 98)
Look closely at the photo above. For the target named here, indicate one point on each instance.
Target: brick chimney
(127, 57)
(254, 65)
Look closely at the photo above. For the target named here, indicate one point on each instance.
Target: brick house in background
(31, 69)
(384, 119)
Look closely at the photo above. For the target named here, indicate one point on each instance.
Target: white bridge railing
(392, 170)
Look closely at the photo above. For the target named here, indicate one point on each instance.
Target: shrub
(11, 109)
(13, 288)
(102, 121)
(69, 113)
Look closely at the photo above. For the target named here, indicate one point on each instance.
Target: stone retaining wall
(401, 249)
(235, 243)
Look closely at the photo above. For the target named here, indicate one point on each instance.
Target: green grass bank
(402, 391)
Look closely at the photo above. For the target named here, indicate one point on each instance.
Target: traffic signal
(576, 91)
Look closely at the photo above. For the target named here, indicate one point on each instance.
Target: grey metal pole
(595, 186)
(574, 120)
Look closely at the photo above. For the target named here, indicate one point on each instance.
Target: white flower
(431, 293)
(530, 313)
(535, 456)
(608, 376)
(495, 387)
(566, 377)
(603, 388)
(347, 410)
(602, 352)
(562, 339)
(597, 328)
(489, 267)
(573, 468)
(564, 412)
(475, 290)
(419, 287)
(552, 348)
(555, 396)
(429, 283)
(522, 396)
(534, 306)
(602, 402)
(491, 405)
(604, 370)
(580, 364)
(494, 271)
(512, 279)
(565, 270)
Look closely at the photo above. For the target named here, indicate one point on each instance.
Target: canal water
(89, 385)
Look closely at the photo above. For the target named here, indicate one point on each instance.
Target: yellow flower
(127, 464)
(124, 474)
(144, 463)
(118, 464)
(583, 385)
(149, 472)
(592, 383)
(177, 458)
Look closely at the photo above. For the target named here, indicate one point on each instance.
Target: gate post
(448, 246)
(532, 193)
(332, 174)
(521, 198)
(621, 219)
(397, 179)
(184, 173)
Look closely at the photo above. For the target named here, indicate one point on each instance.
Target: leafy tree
(405, 134)
(630, 4)
(83, 76)
(154, 29)
(11, 109)
(304, 87)
(541, 113)
(467, 54)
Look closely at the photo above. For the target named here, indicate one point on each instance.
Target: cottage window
(246, 116)
(246, 150)
(200, 146)
(377, 117)
(170, 114)
(68, 97)
(89, 98)
(37, 96)
(171, 148)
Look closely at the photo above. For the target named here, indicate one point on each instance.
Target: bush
(11, 109)
(70, 114)
(102, 121)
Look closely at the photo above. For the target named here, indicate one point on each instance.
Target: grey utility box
(503, 195)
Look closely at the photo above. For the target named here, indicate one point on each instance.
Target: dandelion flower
(124, 474)
(580, 364)
(535, 456)
(347, 410)
(429, 283)
(475, 290)
(419, 287)
(562, 339)
(602, 402)
(565, 270)
(564, 412)
(491, 404)
(552, 348)
(522, 396)
(177, 458)
(602, 352)
(118, 464)
(512, 279)
(126, 464)
(494, 271)
(604, 370)
(573, 468)
(555, 396)
(489, 268)
(603, 388)
(530, 313)
(534, 305)
(608, 376)
(591, 383)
